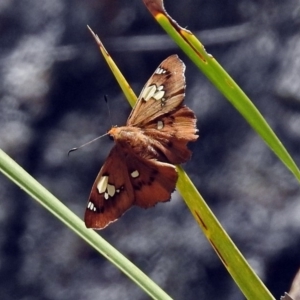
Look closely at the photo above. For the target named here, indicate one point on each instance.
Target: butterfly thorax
(133, 139)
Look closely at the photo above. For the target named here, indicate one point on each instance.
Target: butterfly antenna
(97, 138)
(109, 114)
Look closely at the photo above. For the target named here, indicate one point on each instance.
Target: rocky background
(52, 83)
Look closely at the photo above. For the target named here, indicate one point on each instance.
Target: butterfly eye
(110, 135)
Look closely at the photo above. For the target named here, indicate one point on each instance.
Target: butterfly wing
(126, 180)
(163, 92)
(160, 113)
(171, 132)
(111, 194)
(152, 181)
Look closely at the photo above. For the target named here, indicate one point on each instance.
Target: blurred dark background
(52, 83)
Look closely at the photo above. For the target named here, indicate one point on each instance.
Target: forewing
(112, 192)
(163, 92)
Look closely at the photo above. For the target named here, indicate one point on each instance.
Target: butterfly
(139, 169)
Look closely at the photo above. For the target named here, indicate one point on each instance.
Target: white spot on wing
(159, 95)
(102, 184)
(160, 125)
(148, 92)
(91, 206)
(106, 196)
(111, 190)
(135, 174)
(153, 91)
(160, 70)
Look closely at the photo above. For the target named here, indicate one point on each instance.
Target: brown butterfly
(140, 167)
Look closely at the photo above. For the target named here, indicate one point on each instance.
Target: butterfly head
(114, 132)
(111, 133)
